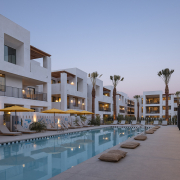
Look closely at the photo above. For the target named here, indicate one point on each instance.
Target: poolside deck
(156, 158)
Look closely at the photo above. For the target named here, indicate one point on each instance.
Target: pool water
(45, 158)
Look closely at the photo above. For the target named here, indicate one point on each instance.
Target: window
(2, 82)
(53, 81)
(9, 54)
(75, 101)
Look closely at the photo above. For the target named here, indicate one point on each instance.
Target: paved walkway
(157, 158)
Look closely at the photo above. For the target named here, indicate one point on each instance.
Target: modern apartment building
(23, 81)
(125, 105)
(69, 89)
(152, 104)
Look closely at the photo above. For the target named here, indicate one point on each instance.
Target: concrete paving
(157, 158)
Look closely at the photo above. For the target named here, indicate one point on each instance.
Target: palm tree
(165, 74)
(137, 98)
(93, 77)
(177, 95)
(115, 79)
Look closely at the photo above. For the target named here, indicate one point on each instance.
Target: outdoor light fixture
(72, 83)
(79, 102)
(71, 101)
(82, 103)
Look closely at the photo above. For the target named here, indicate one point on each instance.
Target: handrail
(22, 93)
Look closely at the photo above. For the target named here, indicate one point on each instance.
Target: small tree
(177, 95)
(165, 74)
(93, 76)
(115, 79)
(137, 99)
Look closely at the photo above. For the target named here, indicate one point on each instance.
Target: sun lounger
(49, 128)
(80, 125)
(83, 123)
(115, 122)
(123, 122)
(134, 122)
(64, 125)
(156, 123)
(19, 128)
(143, 123)
(5, 131)
(164, 123)
(72, 126)
(59, 128)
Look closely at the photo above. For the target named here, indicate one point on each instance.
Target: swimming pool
(45, 158)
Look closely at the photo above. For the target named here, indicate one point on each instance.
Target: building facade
(152, 105)
(69, 89)
(23, 81)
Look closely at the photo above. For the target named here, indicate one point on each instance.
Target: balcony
(130, 112)
(105, 109)
(22, 93)
(152, 112)
(122, 111)
(130, 105)
(152, 102)
(79, 107)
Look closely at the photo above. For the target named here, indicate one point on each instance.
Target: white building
(69, 89)
(125, 105)
(152, 105)
(23, 81)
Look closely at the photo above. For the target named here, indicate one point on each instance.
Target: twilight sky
(131, 38)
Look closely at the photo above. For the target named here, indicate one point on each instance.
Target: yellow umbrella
(54, 111)
(71, 111)
(16, 109)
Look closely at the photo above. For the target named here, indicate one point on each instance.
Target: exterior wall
(160, 105)
(123, 101)
(26, 72)
(64, 89)
(99, 97)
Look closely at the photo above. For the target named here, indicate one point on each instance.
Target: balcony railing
(152, 112)
(72, 106)
(129, 112)
(22, 93)
(122, 111)
(130, 105)
(152, 102)
(104, 109)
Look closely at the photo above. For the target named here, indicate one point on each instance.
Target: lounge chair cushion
(110, 157)
(123, 153)
(149, 132)
(130, 145)
(141, 137)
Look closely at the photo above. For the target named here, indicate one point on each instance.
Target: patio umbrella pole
(54, 119)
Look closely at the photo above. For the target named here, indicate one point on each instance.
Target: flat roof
(57, 74)
(36, 53)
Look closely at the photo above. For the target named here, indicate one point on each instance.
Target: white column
(161, 105)
(144, 107)
(64, 91)
(1, 113)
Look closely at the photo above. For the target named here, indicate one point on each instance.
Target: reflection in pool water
(46, 158)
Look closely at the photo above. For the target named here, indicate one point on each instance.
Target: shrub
(83, 118)
(76, 121)
(38, 126)
(95, 121)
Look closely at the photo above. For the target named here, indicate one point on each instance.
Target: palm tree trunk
(167, 107)
(93, 102)
(137, 111)
(114, 103)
